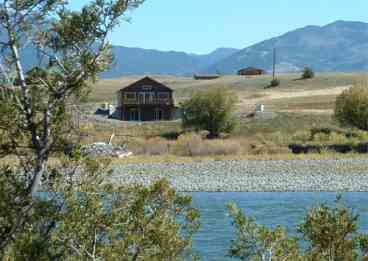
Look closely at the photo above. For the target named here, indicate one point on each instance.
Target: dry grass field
(314, 95)
(292, 110)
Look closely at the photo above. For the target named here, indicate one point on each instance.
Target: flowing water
(271, 209)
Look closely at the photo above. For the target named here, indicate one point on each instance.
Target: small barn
(206, 76)
(146, 100)
(249, 71)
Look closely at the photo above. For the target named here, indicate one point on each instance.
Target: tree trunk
(37, 175)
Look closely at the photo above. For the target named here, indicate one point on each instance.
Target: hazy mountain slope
(215, 56)
(340, 46)
(142, 61)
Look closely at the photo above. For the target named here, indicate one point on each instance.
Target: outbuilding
(250, 71)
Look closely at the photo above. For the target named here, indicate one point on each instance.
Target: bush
(193, 144)
(330, 233)
(188, 145)
(308, 73)
(351, 108)
(210, 110)
(274, 83)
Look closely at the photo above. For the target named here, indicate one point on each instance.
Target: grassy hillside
(293, 94)
(292, 111)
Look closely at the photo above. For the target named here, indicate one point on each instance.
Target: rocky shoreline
(252, 176)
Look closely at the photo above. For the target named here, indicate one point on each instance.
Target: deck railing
(154, 101)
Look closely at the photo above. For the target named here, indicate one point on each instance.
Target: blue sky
(200, 26)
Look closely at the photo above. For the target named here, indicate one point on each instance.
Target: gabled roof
(250, 68)
(142, 84)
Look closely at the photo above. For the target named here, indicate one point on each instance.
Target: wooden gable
(146, 84)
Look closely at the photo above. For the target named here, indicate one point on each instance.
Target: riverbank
(251, 175)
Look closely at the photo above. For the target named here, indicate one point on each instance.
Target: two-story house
(146, 100)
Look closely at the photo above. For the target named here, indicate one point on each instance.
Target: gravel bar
(252, 176)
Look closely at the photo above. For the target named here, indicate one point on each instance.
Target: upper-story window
(147, 87)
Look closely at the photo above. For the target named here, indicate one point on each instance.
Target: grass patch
(284, 123)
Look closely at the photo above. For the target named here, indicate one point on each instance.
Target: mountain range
(137, 61)
(339, 46)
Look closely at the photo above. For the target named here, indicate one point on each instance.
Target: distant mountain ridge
(138, 61)
(339, 46)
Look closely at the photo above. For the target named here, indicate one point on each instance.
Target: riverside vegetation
(79, 216)
(68, 210)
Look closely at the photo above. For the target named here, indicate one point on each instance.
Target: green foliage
(274, 83)
(92, 220)
(331, 233)
(259, 243)
(308, 73)
(351, 107)
(210, 110)
(80, 216)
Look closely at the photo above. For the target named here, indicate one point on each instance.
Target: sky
(201, 26)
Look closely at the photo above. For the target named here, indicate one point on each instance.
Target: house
(146, 100)
(206, 77)
(249, 71)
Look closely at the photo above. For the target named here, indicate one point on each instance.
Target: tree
(308, 73)
(330, 233)
(72, 48)
(351, 108)
(210, 110)
(93, 220)
(81, 216)
(259, 243)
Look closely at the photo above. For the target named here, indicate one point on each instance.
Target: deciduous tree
(210, 110)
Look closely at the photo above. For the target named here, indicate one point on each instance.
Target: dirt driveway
(267, 97)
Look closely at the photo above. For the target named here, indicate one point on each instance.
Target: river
(289, 209)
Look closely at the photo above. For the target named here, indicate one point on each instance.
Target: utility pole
(274, 64)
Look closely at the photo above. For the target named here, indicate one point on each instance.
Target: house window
(146, 97)
(147, 87)
(134, 115)
(159, 115)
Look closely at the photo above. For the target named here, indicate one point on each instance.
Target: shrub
(274, 83)
(156, 146)
(193, 144)
(330, 233)
(308, 73)
(210, 110)
(302, 136)
(351, 108)
(221, 147)
(171, 135)
(188, 145)
(279, 138)
(257, 242)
